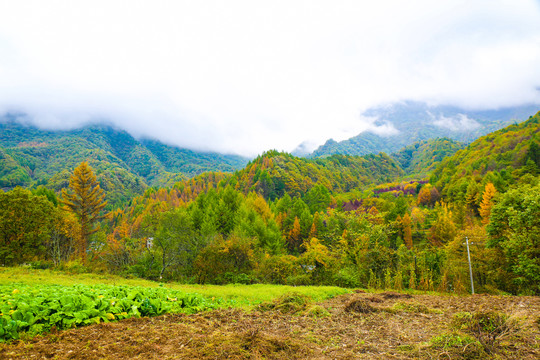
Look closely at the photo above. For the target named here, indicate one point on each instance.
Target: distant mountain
(420, 158)
(399, 125)
(124, 165)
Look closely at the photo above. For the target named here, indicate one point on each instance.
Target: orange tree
(85, 199)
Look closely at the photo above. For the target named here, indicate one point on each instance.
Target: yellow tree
(314, 230)
(294, 236)
(85, 199)
(424, 196)
(407, 232)
(487, 202)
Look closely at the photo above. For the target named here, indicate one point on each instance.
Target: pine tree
(86, 200)
(407, 231)
(294, 236)
(487, 202)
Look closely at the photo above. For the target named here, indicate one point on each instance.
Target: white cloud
(385, 129)
(245, 76)
(460, 122)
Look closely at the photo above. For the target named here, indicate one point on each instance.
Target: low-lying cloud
(460, 122)
(244, 77)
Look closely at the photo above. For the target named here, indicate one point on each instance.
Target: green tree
(175, 242)
(25, 224)
(318, 198)
(515, 229)
(533, 153)
(86, 200)
(443, 230)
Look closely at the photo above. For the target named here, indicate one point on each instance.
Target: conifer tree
(294, 236)
(407, 231)
(86, 200)
(487, 202)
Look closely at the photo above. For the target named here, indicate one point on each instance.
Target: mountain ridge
(30, 156)
(400, 124)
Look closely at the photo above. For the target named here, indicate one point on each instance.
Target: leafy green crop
(37, 309)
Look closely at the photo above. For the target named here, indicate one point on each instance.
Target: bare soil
(356, 326)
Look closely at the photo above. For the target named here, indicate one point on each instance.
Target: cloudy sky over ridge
(247, 76)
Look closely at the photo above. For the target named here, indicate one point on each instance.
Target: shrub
(347, 277)
(299, 280)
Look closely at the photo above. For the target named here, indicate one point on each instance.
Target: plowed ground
(384, 331)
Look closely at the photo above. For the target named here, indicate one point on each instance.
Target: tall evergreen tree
(86, 200)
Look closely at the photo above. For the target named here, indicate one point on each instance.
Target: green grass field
(243, 295)
(35, 301)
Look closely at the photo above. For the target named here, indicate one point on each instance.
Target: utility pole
(470, 266)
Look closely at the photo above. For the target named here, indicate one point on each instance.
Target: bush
(233, 278)
(41, 265)
(74, 267)
(277, 269)
(299, 280)
(347, 278)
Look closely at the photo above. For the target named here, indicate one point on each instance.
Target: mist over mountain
(124, 165)
(398, 125)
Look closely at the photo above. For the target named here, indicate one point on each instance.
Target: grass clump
(290, 303)
(395, 295)
(412, 307)
(317, 311)
(488, 327)
(359, 305)
(457, 345)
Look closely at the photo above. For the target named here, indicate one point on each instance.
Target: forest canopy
(377, 221)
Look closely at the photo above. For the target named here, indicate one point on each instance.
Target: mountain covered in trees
(421, 157)
(399, 125)
(501, 157)
(124, 165)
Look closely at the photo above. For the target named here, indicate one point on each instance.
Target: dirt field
(357, 326)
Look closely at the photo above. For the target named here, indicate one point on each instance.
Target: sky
(244, 77)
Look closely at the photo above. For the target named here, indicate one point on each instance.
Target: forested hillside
(124, 166)
(502, 157)
(340, 220)
(275, 174)
(420, 158)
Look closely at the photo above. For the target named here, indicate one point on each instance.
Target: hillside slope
(420, 158)
(273, 174)
(501, 157)
(124, 165)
